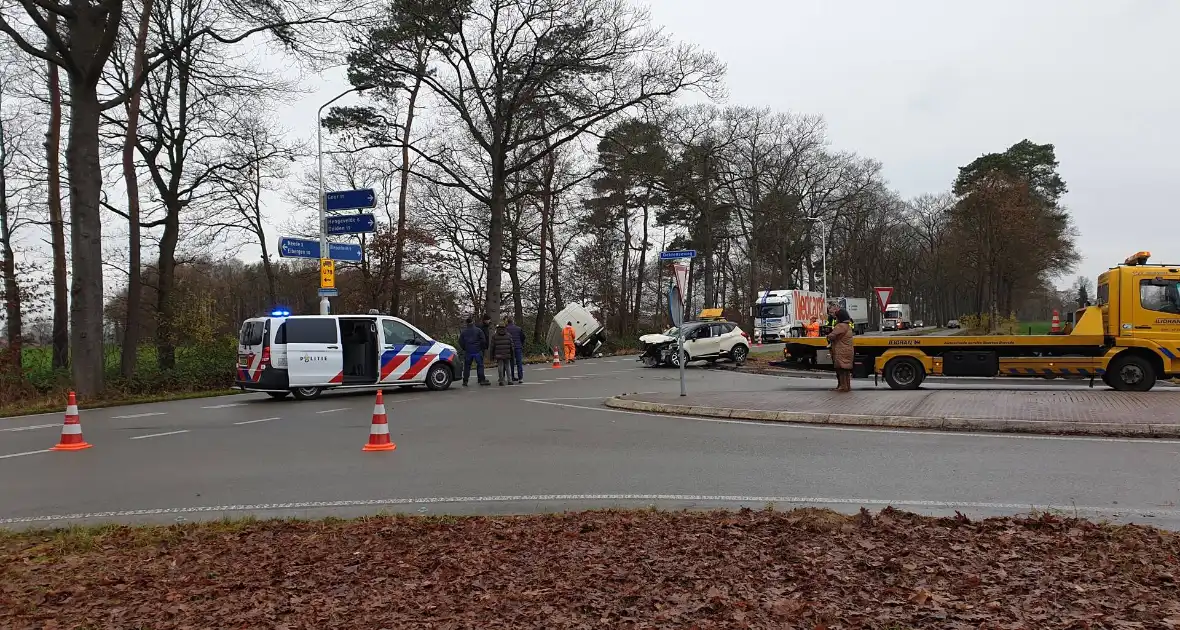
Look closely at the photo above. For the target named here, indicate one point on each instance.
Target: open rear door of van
(314, 355)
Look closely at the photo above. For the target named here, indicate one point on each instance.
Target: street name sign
(290, 247)
(350, 199)
(351, 223)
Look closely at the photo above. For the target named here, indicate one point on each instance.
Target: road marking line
(141, 415)
(253, 421)
(334, 410)
(693, 498)
(36, 426)
(152, 435)
(223, 406)
(563, 378)
(25, 453)
(820, 427)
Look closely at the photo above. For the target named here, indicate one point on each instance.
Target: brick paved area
(1099, 412)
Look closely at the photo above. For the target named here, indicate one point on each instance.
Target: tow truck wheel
(904, 373)
(1131, 374)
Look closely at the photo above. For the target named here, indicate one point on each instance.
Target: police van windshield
(771, 310)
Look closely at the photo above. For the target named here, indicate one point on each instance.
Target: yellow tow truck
(1129, 339)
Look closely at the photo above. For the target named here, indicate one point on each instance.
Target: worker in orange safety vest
(568, 336)
(812, 327)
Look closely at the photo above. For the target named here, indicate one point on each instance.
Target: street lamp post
(325, 305)
(823, 244)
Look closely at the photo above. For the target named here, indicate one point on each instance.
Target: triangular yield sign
(883, 295)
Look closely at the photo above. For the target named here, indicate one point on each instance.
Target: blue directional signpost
(291, 247)
(676, 304)
(350, 199)
(351, 223)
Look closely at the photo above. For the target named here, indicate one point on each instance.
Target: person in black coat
(502, 352)
(472, 342)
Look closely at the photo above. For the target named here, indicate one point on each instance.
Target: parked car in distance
(954, 323)
(919, 324)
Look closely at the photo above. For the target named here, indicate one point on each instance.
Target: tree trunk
(539, 328)
(166, 284)
(624, 315)
(635, 312)
(399, 239)
(57, 226)
(130, 352)
(86, 292)
(268, 269)
(12, 353)
(495, 265)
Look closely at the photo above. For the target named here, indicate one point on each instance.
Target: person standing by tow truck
(570, 338)
(812, 327)
(472, 343)
(843, 352)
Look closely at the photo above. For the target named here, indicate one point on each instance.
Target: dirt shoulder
(752, 569)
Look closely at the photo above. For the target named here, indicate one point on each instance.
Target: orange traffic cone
(1056, 329)
(379, 430)
(71, 431)
(556, 359)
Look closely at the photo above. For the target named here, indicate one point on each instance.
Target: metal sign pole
(683, 356)
(678, 282)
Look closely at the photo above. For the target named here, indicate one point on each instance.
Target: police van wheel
(904, 373)
(278, 395)
(438, 377)
(307, 393)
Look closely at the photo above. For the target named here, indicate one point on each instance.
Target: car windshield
(671, 332)
(771, 310)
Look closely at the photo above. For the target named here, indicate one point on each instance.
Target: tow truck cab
(1130, 339)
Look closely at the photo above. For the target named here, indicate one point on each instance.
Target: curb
(947, 423)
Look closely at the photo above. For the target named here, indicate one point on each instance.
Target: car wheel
(278, 395)
(1131, 374)
(739, 353)
(307, 393)
(439, 377)
(904, 373)
(676, 359)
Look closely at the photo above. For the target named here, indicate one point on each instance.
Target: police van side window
(396, 333)
(315, 330)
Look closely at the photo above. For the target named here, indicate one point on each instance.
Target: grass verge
(57, 401)
(805, 568)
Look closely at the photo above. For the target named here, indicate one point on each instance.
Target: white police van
(307, 354)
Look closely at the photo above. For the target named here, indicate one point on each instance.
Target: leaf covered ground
(804, 569)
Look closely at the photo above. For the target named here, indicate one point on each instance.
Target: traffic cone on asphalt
(379, 430)
(556, 360)
(1056, 328)
(71, 431)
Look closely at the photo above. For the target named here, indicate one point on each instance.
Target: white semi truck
(858, 309)
(781, 313)
(897, 317)
(589, 333)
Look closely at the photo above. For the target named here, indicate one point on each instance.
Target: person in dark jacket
(502, 352)
(485, 325)
(472, 342)
(517, 335)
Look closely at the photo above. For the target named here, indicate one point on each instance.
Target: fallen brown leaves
(805, 569)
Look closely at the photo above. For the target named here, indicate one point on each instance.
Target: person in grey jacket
(501, 347)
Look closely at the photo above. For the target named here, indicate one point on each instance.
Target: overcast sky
(926, 86)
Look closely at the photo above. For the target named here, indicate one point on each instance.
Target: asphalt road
(550, 445)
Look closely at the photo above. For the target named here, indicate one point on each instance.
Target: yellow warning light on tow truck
(1139, 258)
